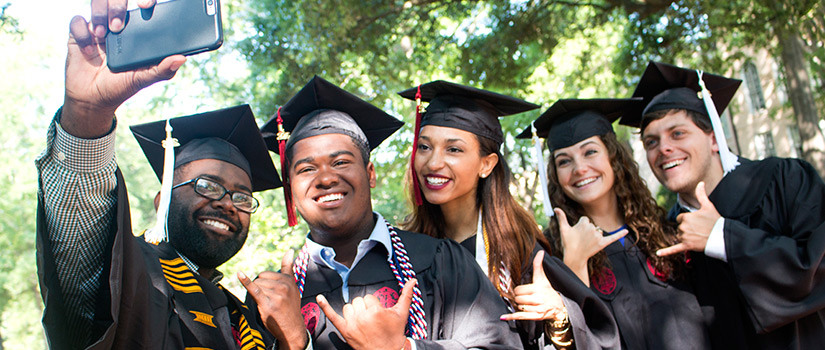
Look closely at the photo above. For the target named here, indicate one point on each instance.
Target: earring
(483, 176)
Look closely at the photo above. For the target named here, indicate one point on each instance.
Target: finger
(253, 290)
(165, 70)
(402, 307)
(145, 4)
(702, 196)
(676, 248)
(530, 299)
(287, 261)
(117, 15)
(538, 269)
(100, 17)
(521, 315)
(336, 319)
(607, 240)
(583, 221)
(79, 30)
(371, 301)
(561, 217)
(358, 305)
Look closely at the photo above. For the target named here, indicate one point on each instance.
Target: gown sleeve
(470, 307)
(776, 251)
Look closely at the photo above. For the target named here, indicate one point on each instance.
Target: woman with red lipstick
(594, 182)
(460, 184)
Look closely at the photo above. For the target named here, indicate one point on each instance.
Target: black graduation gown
(651, 312)
(462, 309)
(150, 300)
(771, 292)
(590, 319)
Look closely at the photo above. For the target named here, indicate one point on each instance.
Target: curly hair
(643, 216)
(512, 231)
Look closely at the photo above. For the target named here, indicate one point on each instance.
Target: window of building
(796, 141)
(751, 75)
(763, 143)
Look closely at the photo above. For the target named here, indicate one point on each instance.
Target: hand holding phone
(172, 27)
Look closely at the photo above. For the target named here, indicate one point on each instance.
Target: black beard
(195, 243)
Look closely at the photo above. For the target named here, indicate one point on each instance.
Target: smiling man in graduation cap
(395, 289)
(103, 287)
(754, 230)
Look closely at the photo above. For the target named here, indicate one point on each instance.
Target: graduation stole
(416, 325)
(183, 281)
(482, 254)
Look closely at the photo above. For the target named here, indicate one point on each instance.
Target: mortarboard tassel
(416, 186)
(282, 137)
(160, 231)
(729, 160)
(539, 161)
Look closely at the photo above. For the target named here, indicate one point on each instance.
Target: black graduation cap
(229, 134)
(466, 108)
(569, 121)
(664, 86)
(319, 95)
(324, 108)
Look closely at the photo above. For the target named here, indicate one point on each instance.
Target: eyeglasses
(215, 191)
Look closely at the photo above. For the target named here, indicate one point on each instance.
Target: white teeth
(330, 197)
(584, 182)
(437, 180)
(672, 164)
(217, 224)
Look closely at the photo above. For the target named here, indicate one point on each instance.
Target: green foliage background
(538, 50)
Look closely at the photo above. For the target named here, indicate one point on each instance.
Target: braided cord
(417, 325)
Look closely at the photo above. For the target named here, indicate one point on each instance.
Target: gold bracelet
(561, 343)
(561, 323)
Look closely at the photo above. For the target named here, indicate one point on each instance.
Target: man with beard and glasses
(105, 288)
(365, 284)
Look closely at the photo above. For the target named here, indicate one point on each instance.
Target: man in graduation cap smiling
(105, 288)
(754, 230)
(365, 283)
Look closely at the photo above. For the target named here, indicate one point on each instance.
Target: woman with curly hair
(460, 184)
(595, 184)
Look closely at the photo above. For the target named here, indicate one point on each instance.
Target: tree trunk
(802, 98)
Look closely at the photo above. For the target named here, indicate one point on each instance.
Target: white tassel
(160, 231)
(729, 160)
(538, 158)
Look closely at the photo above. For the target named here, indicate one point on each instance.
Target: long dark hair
(512, 231)
(643, 216)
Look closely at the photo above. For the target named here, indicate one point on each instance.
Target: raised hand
(582, 241)
(93, 93)
(694, 228)
(367, 324)
(279, 304)
(538, 300)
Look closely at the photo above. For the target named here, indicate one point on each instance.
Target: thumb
(165, 70)
(402, 307)
(287, 262)
(538, 269)
(702, 196)
(562, 218)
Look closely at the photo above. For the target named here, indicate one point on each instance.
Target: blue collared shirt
(326, 255)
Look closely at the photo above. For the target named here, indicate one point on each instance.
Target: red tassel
(416, 188)
(282, 138)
